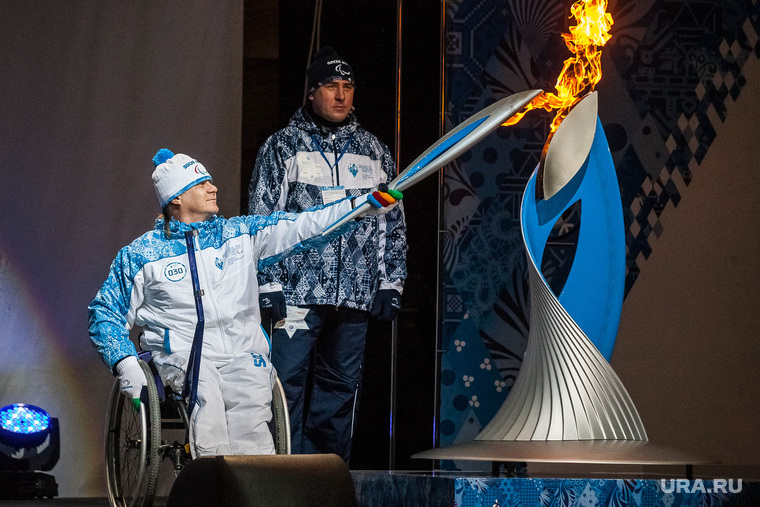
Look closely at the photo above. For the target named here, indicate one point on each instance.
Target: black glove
(387, 304)
(273, 305)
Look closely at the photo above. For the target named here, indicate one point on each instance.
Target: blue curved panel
(593, 293)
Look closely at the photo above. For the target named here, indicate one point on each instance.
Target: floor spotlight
(29, 441)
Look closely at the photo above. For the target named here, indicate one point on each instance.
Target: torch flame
(582, 70)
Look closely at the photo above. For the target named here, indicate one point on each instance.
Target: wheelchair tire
(132, 447)
(280, 424)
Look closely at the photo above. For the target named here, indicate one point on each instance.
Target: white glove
(131, 379)
(382, 200)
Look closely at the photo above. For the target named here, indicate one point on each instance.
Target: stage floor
(384, 489)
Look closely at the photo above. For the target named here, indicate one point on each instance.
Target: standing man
(331, 291)
(192, 281)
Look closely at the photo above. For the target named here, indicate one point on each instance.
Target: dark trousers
(319, 362)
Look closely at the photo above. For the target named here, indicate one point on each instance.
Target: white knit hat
(175, 174)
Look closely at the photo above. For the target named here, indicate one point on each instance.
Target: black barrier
(283, 480)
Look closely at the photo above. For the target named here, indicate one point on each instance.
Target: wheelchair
(137, 443)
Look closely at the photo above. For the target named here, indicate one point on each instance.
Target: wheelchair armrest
(146, 356)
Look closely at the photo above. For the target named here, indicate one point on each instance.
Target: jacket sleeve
(111, 313)
(266, 194)
(392, 237)
(282, 234)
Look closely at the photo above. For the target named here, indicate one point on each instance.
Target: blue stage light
(20, 418)
(29, 441)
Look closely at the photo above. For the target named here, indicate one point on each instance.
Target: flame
(584, 69)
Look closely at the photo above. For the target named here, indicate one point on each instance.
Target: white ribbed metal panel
(565, 390)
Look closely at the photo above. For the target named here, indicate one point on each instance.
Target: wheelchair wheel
(280, 424)
(132, 447)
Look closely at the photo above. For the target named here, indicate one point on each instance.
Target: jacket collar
(178, 229)
(303, 120)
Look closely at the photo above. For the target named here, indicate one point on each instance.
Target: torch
(450, 146)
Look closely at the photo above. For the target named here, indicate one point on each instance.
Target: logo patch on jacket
(309, 168)
(219, 263)
(353, 170)
(175, 271)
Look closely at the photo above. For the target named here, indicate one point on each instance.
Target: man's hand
(386, 305)
(131, 379)
(272, 305)
(382, 200)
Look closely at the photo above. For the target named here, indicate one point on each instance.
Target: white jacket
(150, 285)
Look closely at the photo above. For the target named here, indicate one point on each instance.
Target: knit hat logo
(199, 169)
(339, 67)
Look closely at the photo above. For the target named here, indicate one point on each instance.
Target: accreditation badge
(332, 194)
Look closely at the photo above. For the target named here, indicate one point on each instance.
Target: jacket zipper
(202, 272)
(336, 172)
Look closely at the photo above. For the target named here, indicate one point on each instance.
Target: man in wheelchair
(190, 283)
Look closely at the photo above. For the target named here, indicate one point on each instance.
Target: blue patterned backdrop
(603, 492)
(376, 489)
(669, 71)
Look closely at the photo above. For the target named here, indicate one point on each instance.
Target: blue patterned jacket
(295, 169)
(149, 283)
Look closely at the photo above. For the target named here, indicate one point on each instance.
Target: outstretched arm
(282, 234)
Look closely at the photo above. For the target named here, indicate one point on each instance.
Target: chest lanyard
(337, 159)
(190, 387)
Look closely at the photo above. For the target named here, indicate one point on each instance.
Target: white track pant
(234, 403)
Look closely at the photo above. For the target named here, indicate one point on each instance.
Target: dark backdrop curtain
(89, 92)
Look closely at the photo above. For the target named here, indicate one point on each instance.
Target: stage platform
(387, 489)
(376, 489)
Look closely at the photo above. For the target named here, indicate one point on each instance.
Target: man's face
(198, 203)
(333, 101)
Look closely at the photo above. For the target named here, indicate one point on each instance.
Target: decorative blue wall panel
(603, 493)
(668, 72)
(382, 489)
